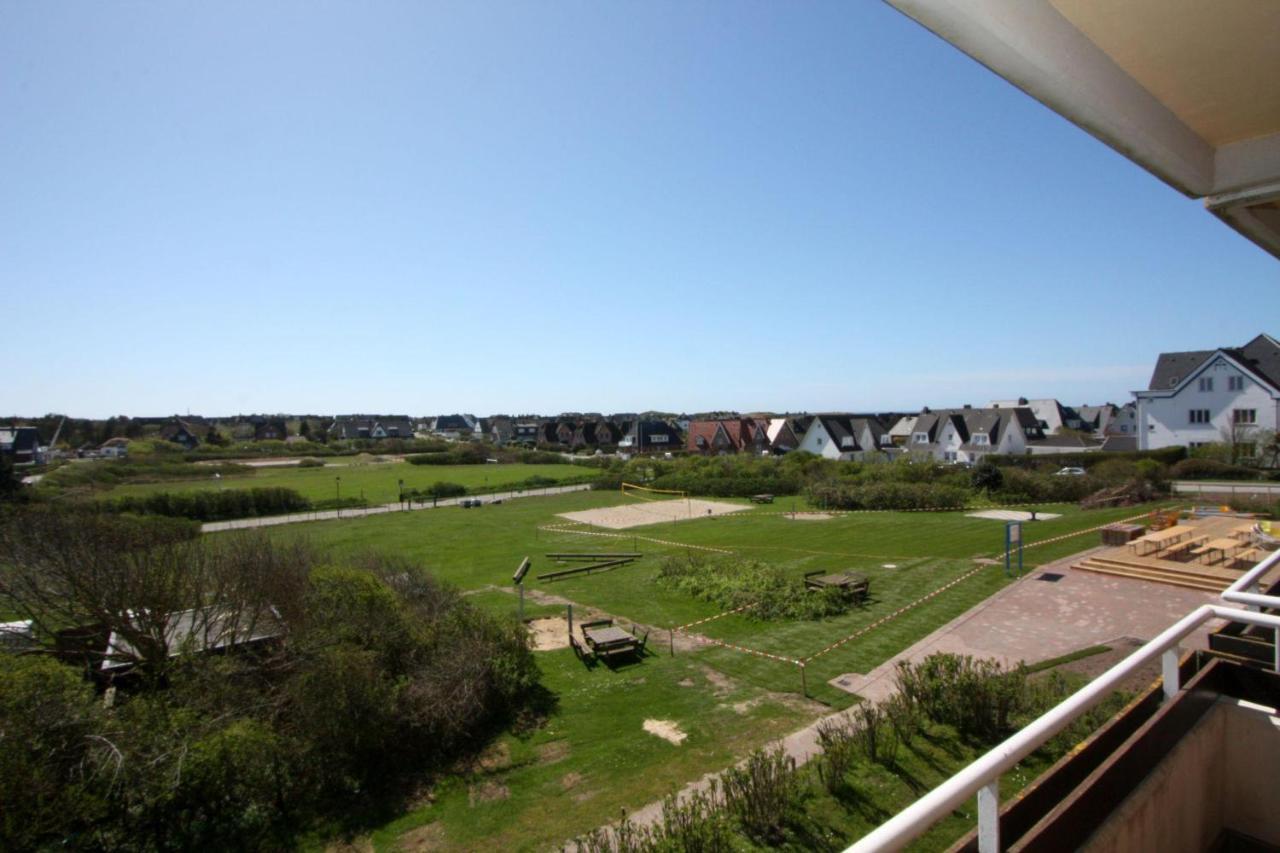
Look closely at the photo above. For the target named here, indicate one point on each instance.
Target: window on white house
(921, 438)
(1198, 416)
(1124, 427)
(1244, 416)
(980, 438)
(1206, 383)
(1235, 383)
(847, 441)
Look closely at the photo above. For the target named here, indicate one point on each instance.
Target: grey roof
(1120, 443)
(1067, 442)
(1261, 355)
(200, 630)
(1173, 367)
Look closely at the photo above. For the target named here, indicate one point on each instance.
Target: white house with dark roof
(856, 437)
(967, 435)
(1229, 395)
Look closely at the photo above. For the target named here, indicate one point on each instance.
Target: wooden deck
(1198, 561)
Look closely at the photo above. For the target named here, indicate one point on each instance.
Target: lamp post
(337, 494)
(401, 494)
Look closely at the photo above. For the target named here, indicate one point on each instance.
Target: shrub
(986, 476)
(888, 495)
(764, 795)
(838, 754)
(1209, 469)
(977, 697)
(211, 505)
(310, 462)
(732, 583)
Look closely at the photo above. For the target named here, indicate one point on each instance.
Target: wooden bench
(762, 499)
(1190, 547)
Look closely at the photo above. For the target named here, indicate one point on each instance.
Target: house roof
(1173, 367)
(198, 630)
(1119, 443)
(1067, 442)
(1260, 355)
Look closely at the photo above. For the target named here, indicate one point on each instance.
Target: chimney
(967, 406)
(1022, 401)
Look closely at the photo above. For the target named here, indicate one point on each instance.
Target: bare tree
(154, 595)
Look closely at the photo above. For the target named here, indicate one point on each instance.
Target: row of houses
(964, 435)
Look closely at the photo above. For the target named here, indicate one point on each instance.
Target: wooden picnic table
(609, 640)
(1161, 540)
(1225, 546)
(1242, 531)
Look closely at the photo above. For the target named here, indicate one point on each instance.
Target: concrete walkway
(362, 512)
(1030, 620)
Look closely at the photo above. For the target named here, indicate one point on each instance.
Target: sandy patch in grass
(1011, 515)
(488, 791)
(665, 729)
(549, 634)
(721, 684)
(641, 513)
(356, 845)
(569, 780)
(550, 753)
(809, 516)
(422, 838)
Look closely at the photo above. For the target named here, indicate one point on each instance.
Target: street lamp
(401, 494)
(337, 494)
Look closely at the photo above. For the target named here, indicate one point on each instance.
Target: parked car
(1069, 472)
(467, 503)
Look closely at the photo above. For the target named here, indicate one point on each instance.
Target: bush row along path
(408, 506)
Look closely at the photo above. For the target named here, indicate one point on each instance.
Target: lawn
(592, 758)
(377, 482)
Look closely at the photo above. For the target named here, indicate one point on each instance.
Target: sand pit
(809, 516)
(1011, 515)
(641, 513)
(549, 634)
(665, 729)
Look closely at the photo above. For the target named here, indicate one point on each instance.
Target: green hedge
(1167, 455)
(1210, 469)
(213, 506)
(888, 496)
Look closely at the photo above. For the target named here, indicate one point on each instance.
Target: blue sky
(517, 207)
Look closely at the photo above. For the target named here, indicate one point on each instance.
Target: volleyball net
(646, 493)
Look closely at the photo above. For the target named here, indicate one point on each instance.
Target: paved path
(1033, 620)
(333, 514)
(1030, 620)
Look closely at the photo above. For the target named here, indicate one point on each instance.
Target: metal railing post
(989, 817)
(1169, 669)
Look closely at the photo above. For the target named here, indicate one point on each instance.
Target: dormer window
(920, 438)
(847, 441)
(980, 438)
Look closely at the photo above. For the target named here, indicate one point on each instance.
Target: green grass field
(592, 757)
(378, 482)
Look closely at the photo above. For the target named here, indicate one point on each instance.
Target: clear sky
(543, 206)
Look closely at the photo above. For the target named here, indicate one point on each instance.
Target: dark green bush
(213, 506)
(977, 697)
(387, 678)
(732, 582)
(1209, 469)
(887, 495)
